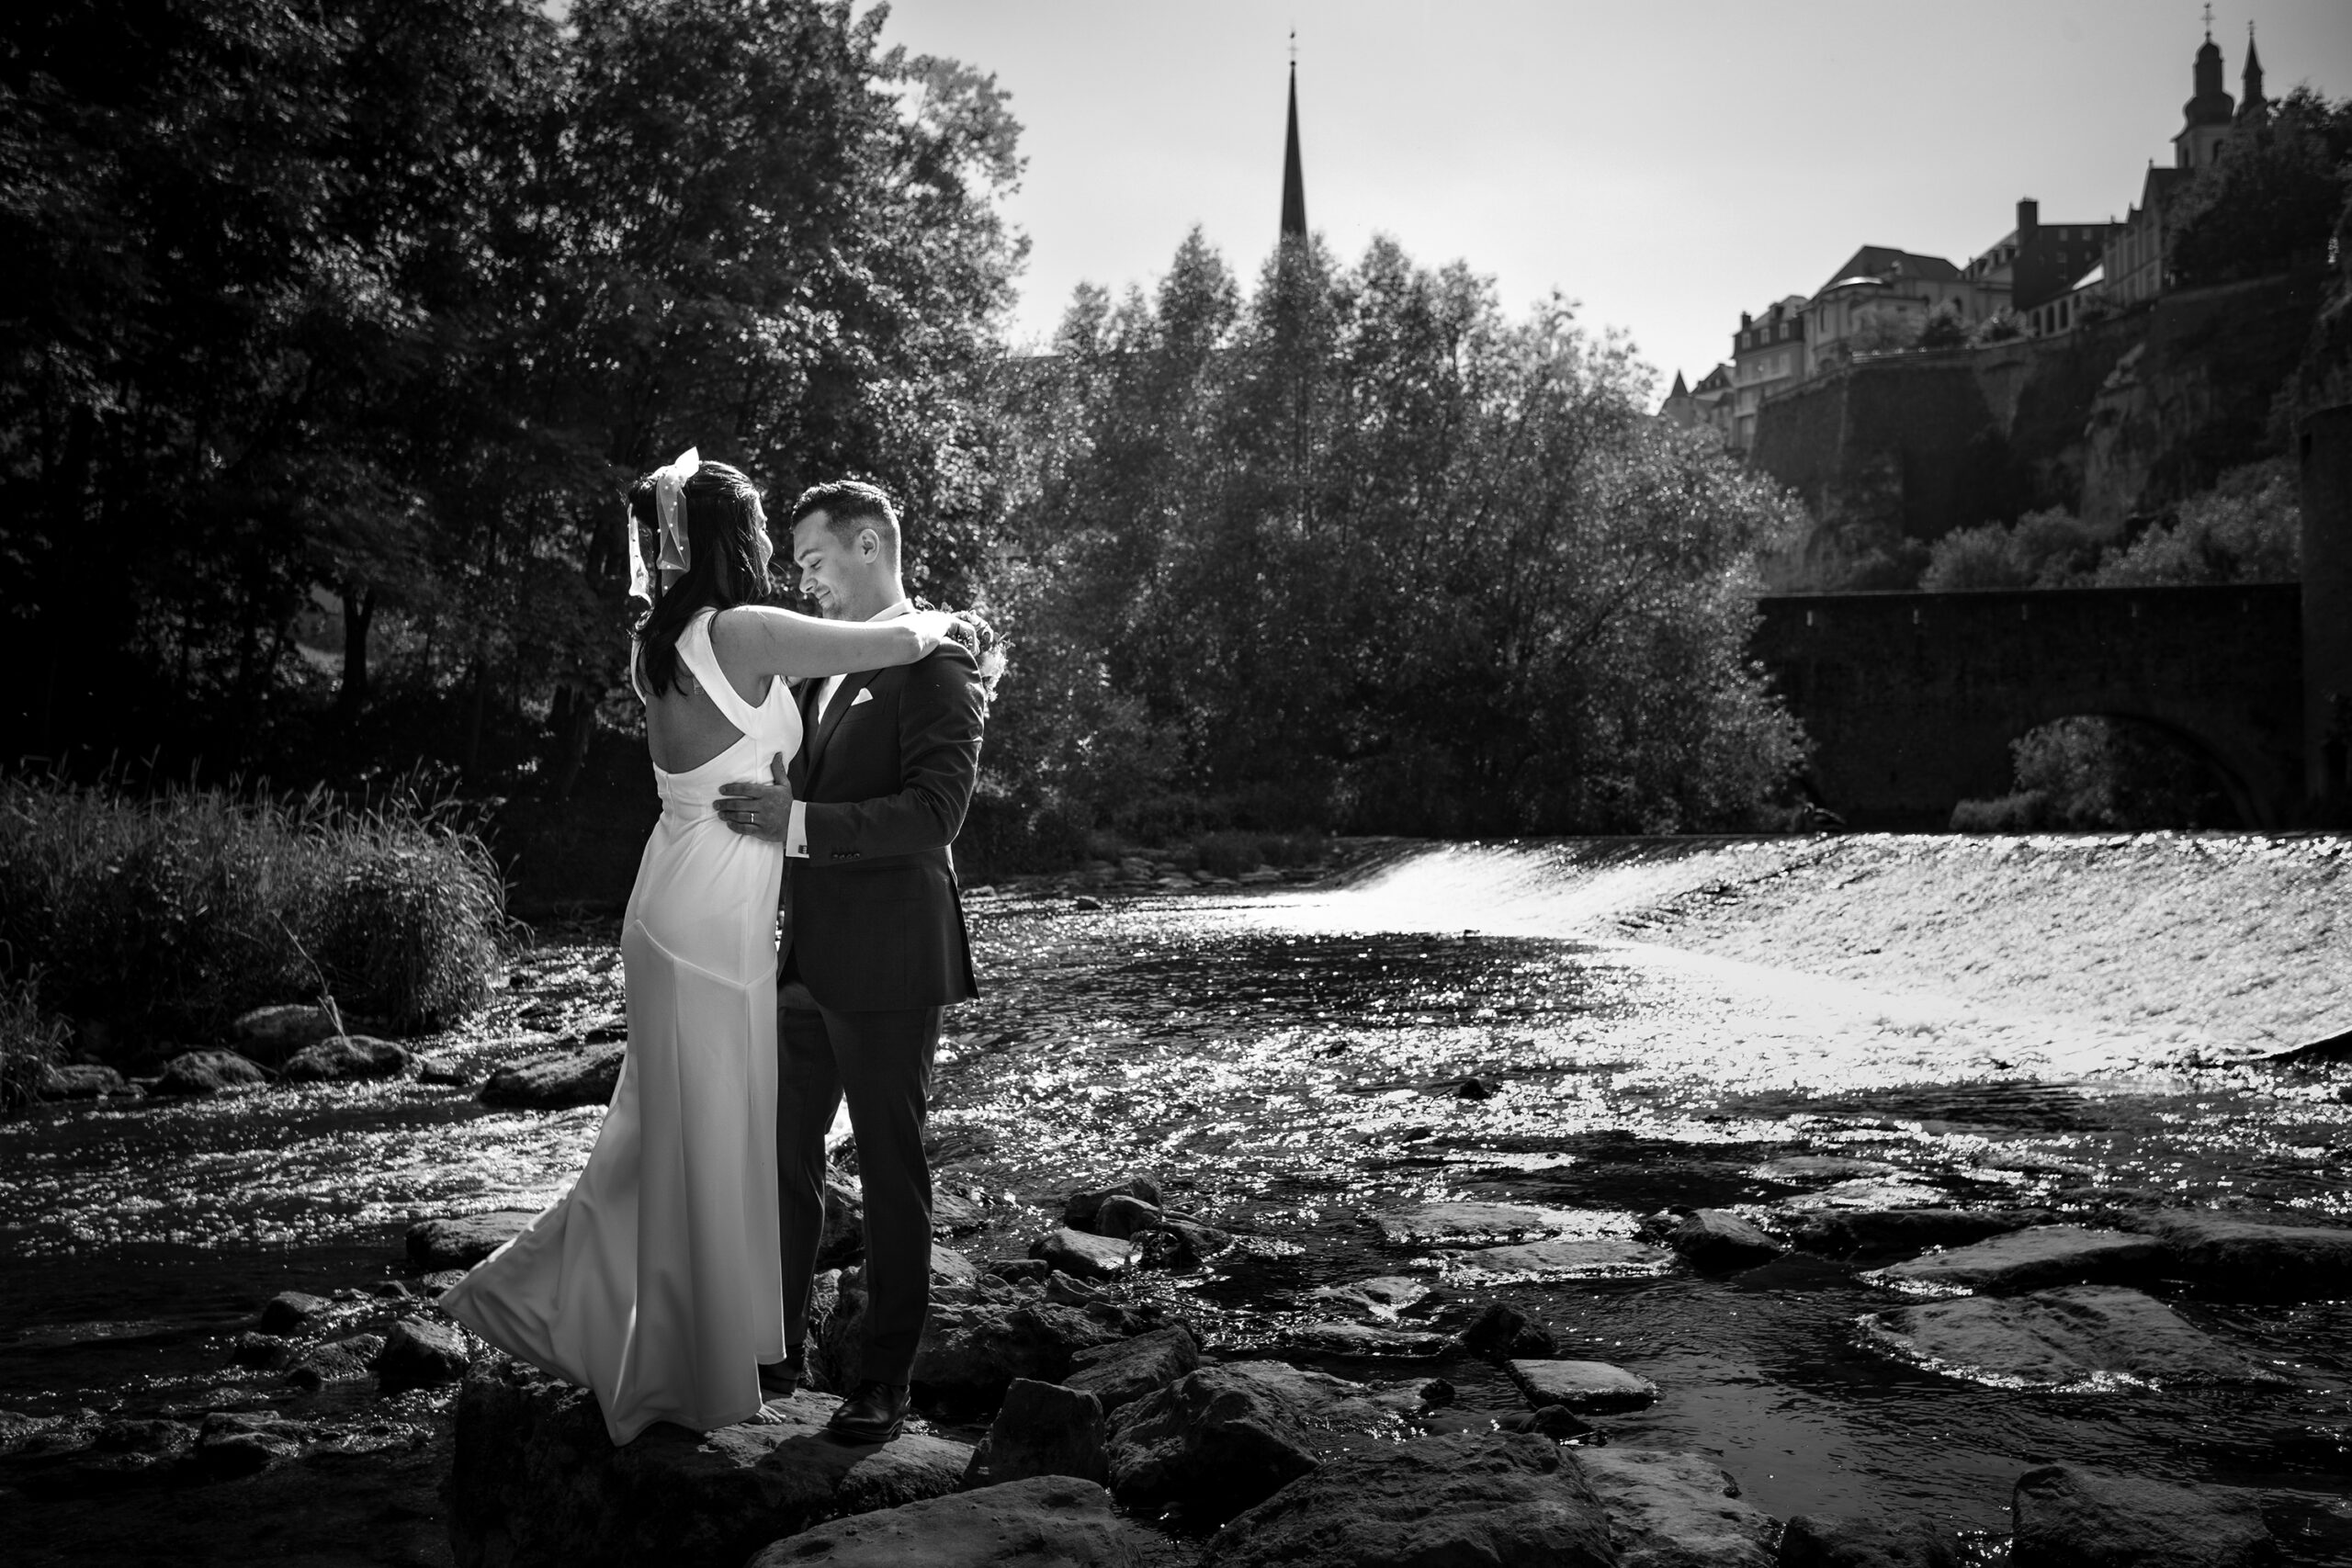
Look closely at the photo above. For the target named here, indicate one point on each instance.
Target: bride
(656, 1281)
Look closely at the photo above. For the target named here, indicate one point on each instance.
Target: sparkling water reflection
(1295, 1064)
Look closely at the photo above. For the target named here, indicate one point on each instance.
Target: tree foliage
(1355, 549)
(364, 311)
(2273, 196)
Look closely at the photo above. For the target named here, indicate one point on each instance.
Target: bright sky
(1667, 162)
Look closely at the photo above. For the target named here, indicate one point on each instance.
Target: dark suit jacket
(876, 922)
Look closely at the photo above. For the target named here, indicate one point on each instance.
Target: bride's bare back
(756, 646)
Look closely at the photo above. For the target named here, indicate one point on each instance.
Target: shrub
(30, 1040)
(170, 914)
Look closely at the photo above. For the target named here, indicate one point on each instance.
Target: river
(1293, 1061)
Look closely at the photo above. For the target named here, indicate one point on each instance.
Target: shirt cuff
(795, 832)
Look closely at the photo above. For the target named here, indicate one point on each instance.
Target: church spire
(2251, 102)
(1293, 182)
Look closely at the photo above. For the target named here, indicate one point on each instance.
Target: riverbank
(1657, 1099)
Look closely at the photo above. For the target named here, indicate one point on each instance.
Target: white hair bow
(670, 521)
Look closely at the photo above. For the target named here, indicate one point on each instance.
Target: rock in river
(1049, 1521)
(289, 1309)
(1719, 1239)
(1463, 1497)
(1828, 1540)
(586, 1077)
(1880, 1233)
(1225, 1438)
(340, 1360)
(536, 1480)
(1125, 1372)
(274, 1033)
(208, 1072)
(1503, 1332)
(1077, 1253)
(2070, 1518)
(1462, 1225)
(975, 1340)
(343, 1060)
(1586, 1387)
(1676, 1510)
(1564, 1257)
(2078, 1337)
(1042, 1428)
(2250, 1259)
(80, 1080)
(462, 1242)
(2030, 1260)
(419, 1353)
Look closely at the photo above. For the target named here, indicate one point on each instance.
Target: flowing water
(1293, 1063)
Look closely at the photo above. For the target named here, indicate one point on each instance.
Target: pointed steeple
(1293, 182)
(2252, 105)
(1681, 390)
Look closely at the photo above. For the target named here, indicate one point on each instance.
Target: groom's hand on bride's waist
(763, 810)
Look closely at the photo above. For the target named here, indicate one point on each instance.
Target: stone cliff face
(2194, 396)
(2121, 417)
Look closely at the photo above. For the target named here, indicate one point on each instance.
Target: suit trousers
(882, 1063)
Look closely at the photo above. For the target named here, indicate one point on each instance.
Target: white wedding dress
(656, 1281)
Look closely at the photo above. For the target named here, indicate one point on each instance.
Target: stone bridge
(1912, 699)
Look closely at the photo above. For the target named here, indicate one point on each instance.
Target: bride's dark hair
(724, 570)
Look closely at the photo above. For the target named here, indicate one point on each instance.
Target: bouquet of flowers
(980, 639)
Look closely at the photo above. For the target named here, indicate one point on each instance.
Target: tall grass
(162, 917)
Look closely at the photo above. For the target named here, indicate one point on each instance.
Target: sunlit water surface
(1293, 1063)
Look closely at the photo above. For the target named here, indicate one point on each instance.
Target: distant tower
(2253, 108)
(2205, 119)
(1293, 182)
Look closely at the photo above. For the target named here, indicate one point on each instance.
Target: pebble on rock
(2067, 1517)
(1585, 1387)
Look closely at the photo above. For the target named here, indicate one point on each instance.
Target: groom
(874, 944)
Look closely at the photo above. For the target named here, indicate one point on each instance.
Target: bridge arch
(1912, 699)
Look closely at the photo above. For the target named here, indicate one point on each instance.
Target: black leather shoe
(778, 1379)
(871, 1415)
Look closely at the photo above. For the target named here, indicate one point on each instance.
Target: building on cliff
(2211, 126)
(1767, 354)
(1707, 406)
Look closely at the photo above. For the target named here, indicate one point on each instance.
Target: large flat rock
(1881, 1233)
(1223, 1438)
(1469, 1498)
(2079, 1337)
(1049, 1521)
(1565, 1258)
(1462, 1225)
(1669, 1509)
(2067, 1517)
(2030, 1260)
(465, 1239)
(560, 1081)
(536, 1480)
(1586, 1387)
(2251, 1259)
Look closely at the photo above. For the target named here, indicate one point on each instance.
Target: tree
(2274, 196)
